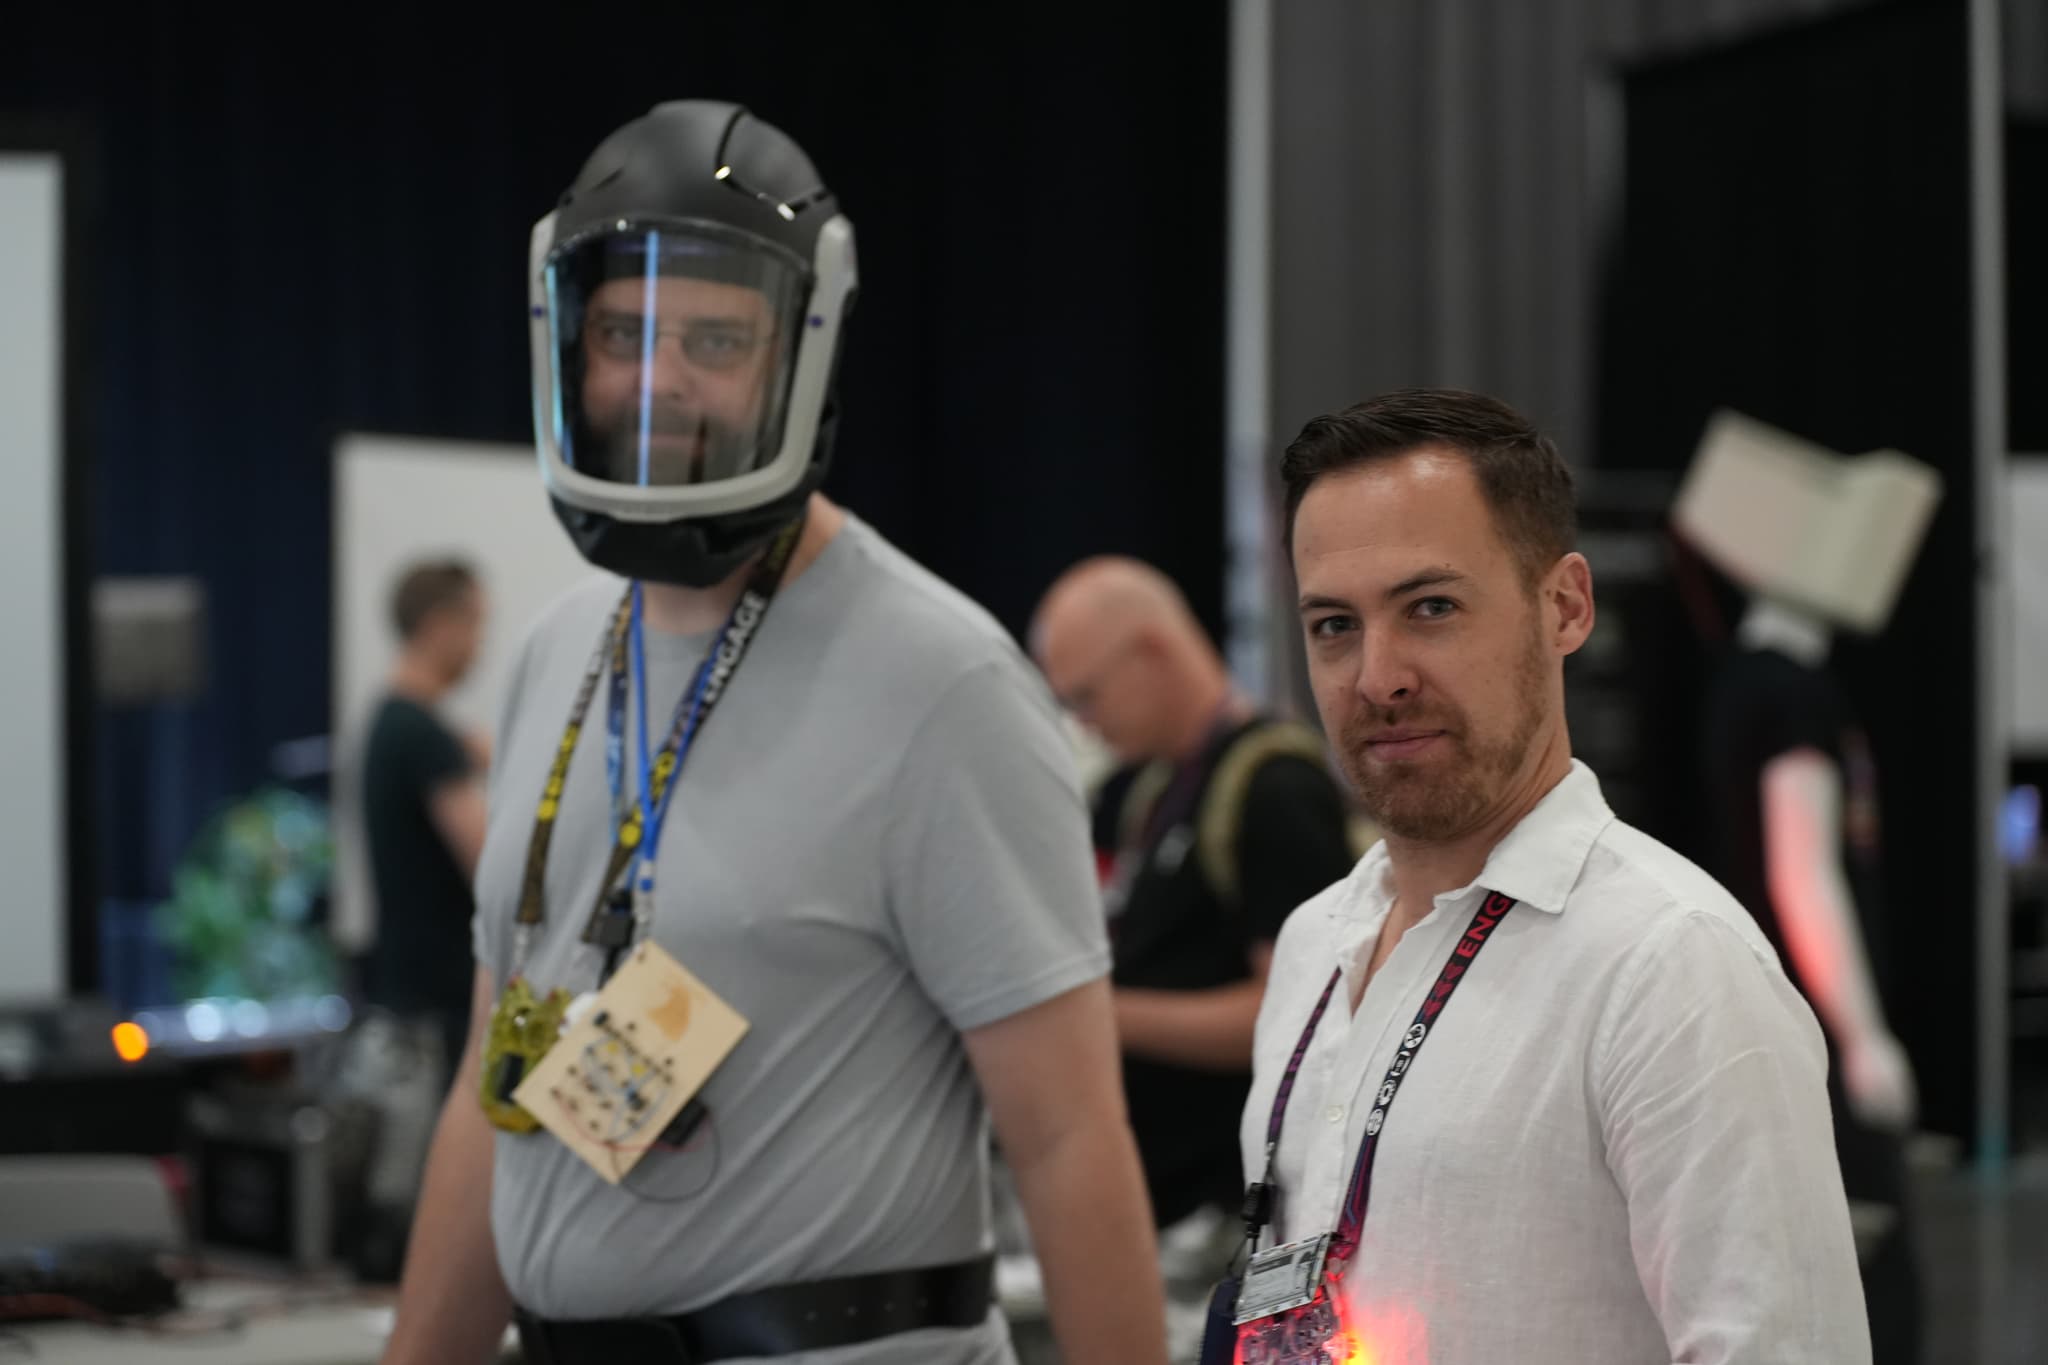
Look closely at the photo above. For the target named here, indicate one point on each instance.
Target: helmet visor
(674, 349)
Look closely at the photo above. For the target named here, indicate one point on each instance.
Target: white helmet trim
(834, 277)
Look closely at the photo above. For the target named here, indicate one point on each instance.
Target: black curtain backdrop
(322, 228)
(1795, 244)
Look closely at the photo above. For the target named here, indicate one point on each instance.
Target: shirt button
(1335, 1113)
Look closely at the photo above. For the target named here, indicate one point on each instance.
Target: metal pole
(1988, 403)
(1248, 577)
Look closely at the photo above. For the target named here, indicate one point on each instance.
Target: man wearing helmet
(706, 393)
(857, 830)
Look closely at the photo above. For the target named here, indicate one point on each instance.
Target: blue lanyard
(618, 919)
(636, 830)
(688, 718)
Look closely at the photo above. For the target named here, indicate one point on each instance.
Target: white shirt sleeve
(1710, 1078)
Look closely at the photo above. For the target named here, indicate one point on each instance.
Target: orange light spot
(131, 1044)
(1384, 1334)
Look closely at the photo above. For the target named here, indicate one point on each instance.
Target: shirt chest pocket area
(1484, 1113)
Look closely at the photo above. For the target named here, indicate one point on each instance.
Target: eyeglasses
(711, 345)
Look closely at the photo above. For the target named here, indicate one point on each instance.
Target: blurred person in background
(423, 807)
(1792, 781)
(1529, 1085)
(855, 822)
(1219, 821)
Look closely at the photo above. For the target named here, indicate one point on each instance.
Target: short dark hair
(426, 588)
(1525, 481)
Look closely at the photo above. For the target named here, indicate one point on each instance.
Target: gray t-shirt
(878, 842)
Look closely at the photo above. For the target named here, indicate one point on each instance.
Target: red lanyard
(1491, 911)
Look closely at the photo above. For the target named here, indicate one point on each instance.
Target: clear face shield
(674, 350)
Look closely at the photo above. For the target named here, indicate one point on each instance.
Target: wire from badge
(646, 1177)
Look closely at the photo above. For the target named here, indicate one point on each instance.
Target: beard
(682, 448)
(1444, 794)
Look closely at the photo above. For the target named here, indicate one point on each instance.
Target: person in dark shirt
(1219, 823)
(1777, 721)
(1765, 703)
(423, 808)
(1792, 783)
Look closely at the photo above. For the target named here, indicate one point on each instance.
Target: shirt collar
(1537, 864)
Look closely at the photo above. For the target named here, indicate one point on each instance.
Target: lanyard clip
(614, 928)
(1257, 1211)
(642, 900)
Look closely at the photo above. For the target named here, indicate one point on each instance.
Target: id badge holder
(1284, 1313)
(629, 1065)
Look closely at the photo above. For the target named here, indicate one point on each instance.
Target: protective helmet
(687, 295)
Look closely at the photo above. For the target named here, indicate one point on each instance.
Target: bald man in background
(1219, 821)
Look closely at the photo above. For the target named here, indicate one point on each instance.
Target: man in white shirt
(1611, 1141)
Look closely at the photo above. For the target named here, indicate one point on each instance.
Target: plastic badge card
(629, 1063)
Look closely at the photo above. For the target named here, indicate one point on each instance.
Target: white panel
(33, 798)
(398, 499)
(2027, 653)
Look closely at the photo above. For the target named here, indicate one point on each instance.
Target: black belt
(786, 1320)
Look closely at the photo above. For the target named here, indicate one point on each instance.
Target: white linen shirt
(1615, 1144)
